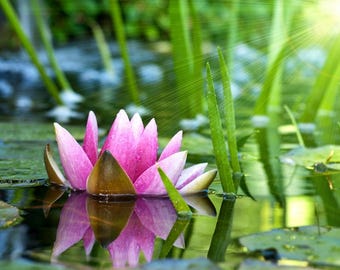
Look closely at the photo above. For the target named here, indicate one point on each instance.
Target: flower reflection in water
(125, 228)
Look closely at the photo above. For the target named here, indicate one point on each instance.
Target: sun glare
(325, 17)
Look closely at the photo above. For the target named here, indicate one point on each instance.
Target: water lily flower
(127, 162)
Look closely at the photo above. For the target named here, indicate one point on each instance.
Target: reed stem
(46, 39)
(103, 47)
(15, 23)
(121, 38)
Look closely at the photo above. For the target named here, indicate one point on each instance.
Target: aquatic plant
(230, 173)
(127, 162)
(121, 39)
(187, 55)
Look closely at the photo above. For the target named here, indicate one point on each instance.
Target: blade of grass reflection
(175, 232)
(221, 237)
(328, 198)
(269, 142)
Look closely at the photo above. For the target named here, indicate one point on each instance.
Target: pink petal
(90, 144)
(76, 163)
(150, 182)
(156, 214)
(146, 152)
(137, 126)
(173, 146)
(125, 250)
(120, 142)
(159, 216)
(89, 239)
(190, 174)
(73, 223)
(200, 183)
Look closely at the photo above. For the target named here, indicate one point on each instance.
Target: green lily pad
(317, 245)
(9, 215)
(307, 157)
(21, 164)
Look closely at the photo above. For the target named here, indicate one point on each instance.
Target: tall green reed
(187, 55)
(229, 172)
(233, 31)
(103, 48)
(26, 43)
(121, 38)
(46, 39)
(325, 88)
(270, 97)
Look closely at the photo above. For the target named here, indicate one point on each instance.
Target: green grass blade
(181, 207)
(182, 56)
(121, 38)
(229, 113)
(197, 58)
(329, 97)
(233, 31)
(261, 106)
(103, 47)
(322, 82)
(298, 134)
(217, 136)
(15, 23)
(46, 39)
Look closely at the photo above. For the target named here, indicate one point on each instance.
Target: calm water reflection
(125, 228)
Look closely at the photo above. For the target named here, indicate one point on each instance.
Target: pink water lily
(127, 163)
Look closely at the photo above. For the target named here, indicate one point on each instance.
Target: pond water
(56, 229)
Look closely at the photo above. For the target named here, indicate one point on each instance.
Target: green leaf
(176, 198)
(307, 157)
(217, 136)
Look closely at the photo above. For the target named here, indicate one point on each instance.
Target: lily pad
(307, 157)
(317, 245)
(9, 215)
(21, 164)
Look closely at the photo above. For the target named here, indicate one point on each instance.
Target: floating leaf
(307, 157)
(317, 245)
(9, 215)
